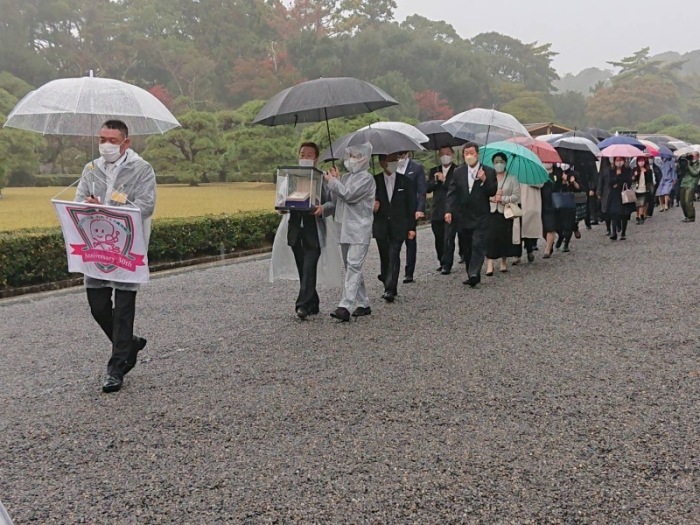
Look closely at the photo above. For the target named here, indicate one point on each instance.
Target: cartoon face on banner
(108, 237)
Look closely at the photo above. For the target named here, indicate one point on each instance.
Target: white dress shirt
(389, 181)
(473, 173)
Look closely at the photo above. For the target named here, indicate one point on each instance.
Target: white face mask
(471, 160)
(402, 165)
(500, 167)
(392, 166)
(306, 163)
(352, 164)
(446, 160)
(110, 152)
(564, 167)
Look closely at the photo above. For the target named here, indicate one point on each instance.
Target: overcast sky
(585, 33)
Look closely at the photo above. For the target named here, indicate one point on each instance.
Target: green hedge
(39, 256)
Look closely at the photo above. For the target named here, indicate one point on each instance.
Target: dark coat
(470, 210)
(617, 183)
(394, 219)
(439, 191)
(416, 174)
(648, 178)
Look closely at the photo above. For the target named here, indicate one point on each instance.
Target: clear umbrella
(4, 517)
(79, 106)
(477, 124)
(384, 142)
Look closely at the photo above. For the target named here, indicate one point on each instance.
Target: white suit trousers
(354, 292)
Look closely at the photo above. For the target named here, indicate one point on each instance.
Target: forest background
(214, 63)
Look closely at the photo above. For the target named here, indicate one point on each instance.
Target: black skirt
(499, 241)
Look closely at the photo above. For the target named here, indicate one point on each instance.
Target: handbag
(563, 201)
(628, 195)
(510, 211)
(580, 197)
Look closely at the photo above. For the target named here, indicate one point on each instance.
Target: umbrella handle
(328, 129)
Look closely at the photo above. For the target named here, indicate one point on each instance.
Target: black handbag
(563, 201)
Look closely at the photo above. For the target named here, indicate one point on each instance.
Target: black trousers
(117, 322)
(452, 233)
(440, 233)
(474, 249)
(390, 262)
(411, 256)
(306, 256)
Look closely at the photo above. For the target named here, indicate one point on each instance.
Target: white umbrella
(688, 150)
(79, 106)
(471, 124)
(551, 137)
(411, 131)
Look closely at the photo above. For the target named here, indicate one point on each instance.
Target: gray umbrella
(582, 134)
(384, 142)
(4, 517)
(323, 99)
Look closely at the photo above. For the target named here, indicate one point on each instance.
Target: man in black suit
(468, 207)
(415, 173)
(394, 221)
(438, 182)
(303, 238)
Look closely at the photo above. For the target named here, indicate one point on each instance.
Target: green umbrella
(523, 164)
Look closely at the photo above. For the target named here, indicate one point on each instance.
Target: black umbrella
(571, 149)
(439, 137)
(323, 99)
(598, 133)
(384, 142)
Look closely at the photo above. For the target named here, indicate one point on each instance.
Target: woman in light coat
(499, 240)
(531, 226)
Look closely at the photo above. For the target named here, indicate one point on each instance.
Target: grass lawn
(31, 207)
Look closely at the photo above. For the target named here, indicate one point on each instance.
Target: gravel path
(566, 391)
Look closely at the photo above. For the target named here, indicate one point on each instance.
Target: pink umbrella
(622, 150)
(544, 150)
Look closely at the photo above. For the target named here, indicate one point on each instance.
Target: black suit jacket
(439, 191)
(470, 209)
(396, 218)
(416, 174)
(302, 223)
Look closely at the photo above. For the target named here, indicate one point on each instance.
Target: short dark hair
(118, 125)
(313, 146)
(499, 154)
(472, 145)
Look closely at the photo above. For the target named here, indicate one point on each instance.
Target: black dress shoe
(313, 310)
(389, 297)
(137, 344)
(472, 281)
(342, 314)
(530, 257)
(439, 269)
(408, 279)
(302, 313)
(112, 384)
(445, 271)
(361, 311)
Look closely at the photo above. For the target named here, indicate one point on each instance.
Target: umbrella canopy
(79, 106)
(4, 517)
(437, 136)
(621, 150)
(522, 163)
(670, 142)
(549, 138)
(576, 144)
(477, 125)
(688, 150)
(650, 147)
(598, 133)
(410, 131)
(620, 139)
(323, 99)
(544, 151)
(665, 153)
(676, 145)
(384, 142)
(582, 134)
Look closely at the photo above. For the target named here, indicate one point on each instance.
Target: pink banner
(129, 262)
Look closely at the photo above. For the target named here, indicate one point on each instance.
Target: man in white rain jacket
(353, 196)
(118, 178)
